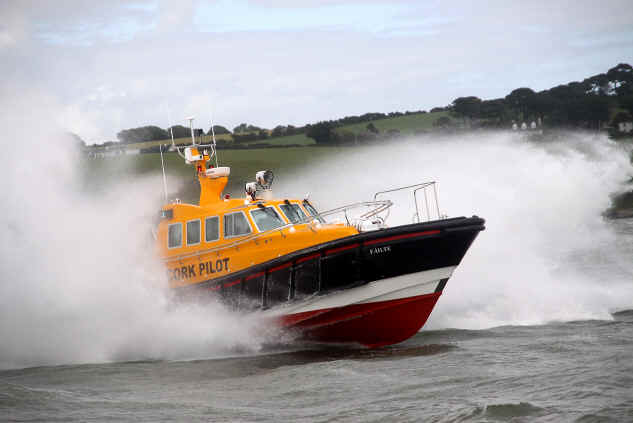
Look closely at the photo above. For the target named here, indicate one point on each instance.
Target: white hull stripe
(404, 286)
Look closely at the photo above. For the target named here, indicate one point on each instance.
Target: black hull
(344, 263)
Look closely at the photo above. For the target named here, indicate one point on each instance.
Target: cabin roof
(184, 210)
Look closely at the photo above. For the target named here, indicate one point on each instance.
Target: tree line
(243, 132)
(593, 103)
(590, 104)
(154, 133)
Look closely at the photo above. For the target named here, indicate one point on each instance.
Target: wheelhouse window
(235, 224)
(266, 218)
(293, 212)
(193, 232)
(211, 229)
(313, 211)
(174, 235)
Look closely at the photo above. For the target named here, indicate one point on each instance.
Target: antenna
(193, 140)
(162, 162)
(215, 150)
(190, 119)
(171, 130)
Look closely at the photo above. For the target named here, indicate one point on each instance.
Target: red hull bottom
(373, 324)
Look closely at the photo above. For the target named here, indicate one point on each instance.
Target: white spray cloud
(79, 279)
(547, 252)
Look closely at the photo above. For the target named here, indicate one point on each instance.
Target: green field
(244, 163)
(284, 162)
(179, 141)
(298, 139)
(405, 124)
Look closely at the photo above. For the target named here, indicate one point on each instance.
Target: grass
(298, 139)
(407, 124)
(284, 162)
(179, 141)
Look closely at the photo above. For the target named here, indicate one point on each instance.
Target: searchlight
(251, 189)
(265, 178)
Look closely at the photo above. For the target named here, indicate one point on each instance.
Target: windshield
(235, 224)
(266, 218)
(313, 211)
(293, 212)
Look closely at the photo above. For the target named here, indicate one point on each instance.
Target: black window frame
(263, 210)
(307, 206)
(293, 206)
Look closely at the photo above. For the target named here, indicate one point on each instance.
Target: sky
(107, 66)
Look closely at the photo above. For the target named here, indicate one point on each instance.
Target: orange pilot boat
(338, 276)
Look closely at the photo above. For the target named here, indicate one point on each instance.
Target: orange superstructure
(200, 255)
(200, 260)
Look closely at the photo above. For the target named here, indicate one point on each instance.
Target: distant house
(625, 127)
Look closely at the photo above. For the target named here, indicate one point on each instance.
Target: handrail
(421, 185)
(381, 205)
(417, 187)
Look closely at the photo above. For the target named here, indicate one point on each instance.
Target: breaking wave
(547, 252)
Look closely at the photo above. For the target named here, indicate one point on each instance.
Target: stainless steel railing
(424, 187)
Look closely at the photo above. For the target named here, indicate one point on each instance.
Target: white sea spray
(543, 202)
(79, 277)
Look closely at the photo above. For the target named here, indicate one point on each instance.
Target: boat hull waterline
(380, 313)
(376, 288)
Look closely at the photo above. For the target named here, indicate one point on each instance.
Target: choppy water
(573, 371)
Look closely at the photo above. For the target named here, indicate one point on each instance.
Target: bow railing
(431, 203)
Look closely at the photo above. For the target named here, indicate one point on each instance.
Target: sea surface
(578, 371)
(570, 371)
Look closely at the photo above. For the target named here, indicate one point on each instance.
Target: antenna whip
(162, 162)
(171, 130)
(215, 149)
